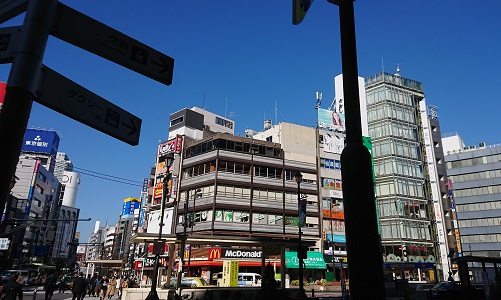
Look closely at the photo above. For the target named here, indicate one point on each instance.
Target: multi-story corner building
(408, 193)
(245, 187)
(37, 190)
(475, 194)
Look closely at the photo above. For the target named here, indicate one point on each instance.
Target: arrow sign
(82, 31)
(7, 42)
(67, 97)
(11, 8)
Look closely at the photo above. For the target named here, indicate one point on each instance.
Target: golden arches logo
(214, 253)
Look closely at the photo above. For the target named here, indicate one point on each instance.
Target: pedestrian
(88, 285)
(79, 286)
(97, 286)
(117, 287)
(112, 286)
(62, 284)
(123, 286)
(50, 286)
(92, 284)
(12, 289)
(104, 286)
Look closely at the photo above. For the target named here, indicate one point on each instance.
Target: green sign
(314, 260)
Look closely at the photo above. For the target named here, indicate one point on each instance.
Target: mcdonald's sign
(214, 253)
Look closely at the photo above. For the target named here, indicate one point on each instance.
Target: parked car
(187, 282)
(23, 276)
(453, 290)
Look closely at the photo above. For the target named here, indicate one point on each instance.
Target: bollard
(35, 294)
(313, 292)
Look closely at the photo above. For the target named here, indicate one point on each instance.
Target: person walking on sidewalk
(112, 286)
(62, 284)
(97, 286)
(104, 286)
(79, 286)
(50, 286)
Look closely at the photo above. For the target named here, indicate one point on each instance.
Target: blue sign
(337, 238)
(129, 207)
(40, 141)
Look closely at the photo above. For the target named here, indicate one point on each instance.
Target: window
(176, 121)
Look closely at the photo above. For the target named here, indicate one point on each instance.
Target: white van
(249, 279)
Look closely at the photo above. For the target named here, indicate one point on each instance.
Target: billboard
(40, 141)
(332, 120)
(333, 144)
(172, 146)
(129, 205)
(154, 220)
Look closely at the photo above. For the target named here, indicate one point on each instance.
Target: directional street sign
(11, 8)
(67, 97)
(7, 43)
(82, 31)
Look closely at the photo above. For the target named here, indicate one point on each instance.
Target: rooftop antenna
(276, 112)
(225, 106)
(319, 100)
(382, 63)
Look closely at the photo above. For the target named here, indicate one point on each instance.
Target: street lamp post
(301, 254)
(159, 244)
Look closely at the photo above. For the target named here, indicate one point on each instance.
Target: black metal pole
(153, 295)
(365, 263)
(23, 78)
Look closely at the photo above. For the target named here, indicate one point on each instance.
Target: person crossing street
(79, 287)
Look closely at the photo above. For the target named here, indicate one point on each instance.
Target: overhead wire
(108, 177)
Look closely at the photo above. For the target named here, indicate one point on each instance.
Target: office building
(408, 187)
(475, 194)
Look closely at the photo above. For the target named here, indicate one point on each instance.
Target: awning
(213, 263)
(314, 260)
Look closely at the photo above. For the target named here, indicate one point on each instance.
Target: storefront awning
(205, 263)
(314, 260)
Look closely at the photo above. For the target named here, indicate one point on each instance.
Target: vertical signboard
(230, 273)
(435, 190)
(302, 211)
(367, 142)
(144, 200)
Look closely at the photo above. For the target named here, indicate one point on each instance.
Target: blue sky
(246, 58)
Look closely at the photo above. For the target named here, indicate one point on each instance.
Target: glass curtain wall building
(403, 198)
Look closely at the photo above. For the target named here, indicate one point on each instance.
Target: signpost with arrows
(29, 79)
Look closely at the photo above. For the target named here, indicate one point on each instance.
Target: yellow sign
(230, 273)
